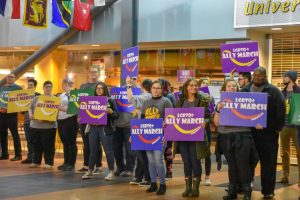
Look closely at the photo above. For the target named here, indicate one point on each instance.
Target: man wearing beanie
(289, 131)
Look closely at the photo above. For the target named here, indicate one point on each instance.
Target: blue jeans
(97, 136)
(156, 165)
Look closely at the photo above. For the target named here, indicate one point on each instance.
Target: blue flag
(61, 13)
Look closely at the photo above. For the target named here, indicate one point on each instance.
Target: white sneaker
(33, 165)
(97, 171)
(47, 166)
(87, 175)
(251, 185)
(109, 176)
(207, 182)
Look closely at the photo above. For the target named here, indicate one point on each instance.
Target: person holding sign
(235, 142)
(266, 139)
(67, 129)
(42, 133)
(103, 135)
(155, 108)
(289, 131)
(190, 151)
(9, 121)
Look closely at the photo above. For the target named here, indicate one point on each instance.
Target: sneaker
(169, 176)
(109, 176)
(251, 184)
(145, 183)
(4, 157)
(161, 190)
(60, 167)
(118, 172)
(33, 165)
(47, 166)
(207, 182)
(126, 174)
(68, 168)
(268, 196)
(83, 170)
(87, 175)
(97, 171)
(135, 181)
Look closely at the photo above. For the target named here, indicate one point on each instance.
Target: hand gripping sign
(120, 96)
(92, 110)
(19, 100)
(47, 108)
(244, 109)
(146, 134)
(184, 124)
(243, 57)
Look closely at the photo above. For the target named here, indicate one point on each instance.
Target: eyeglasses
(99, 88)
(156, 88)
(48, 86)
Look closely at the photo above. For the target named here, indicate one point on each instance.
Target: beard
(286, 83)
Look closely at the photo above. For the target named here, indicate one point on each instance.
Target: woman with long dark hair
(155, 108)
(103, 134)
(190, 151)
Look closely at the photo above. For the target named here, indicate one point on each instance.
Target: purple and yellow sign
(243, 57)
(92, 110)
(120, 96)
(146, 134)
(183, 75)
(244, 109)
(184, 124)
(130, 62)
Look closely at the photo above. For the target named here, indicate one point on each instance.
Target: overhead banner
(243, 57)
(120, 96)
(183, 75)
(257, 13)
(130, 62)
(184, 124)
(73, 105)
(20, 100)
(35, 14)
(146, 134)
(92, 110)
(244, 109)
(47, 108)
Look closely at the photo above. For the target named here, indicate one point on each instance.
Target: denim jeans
(156, 165)
(191, 164)
(97, 136)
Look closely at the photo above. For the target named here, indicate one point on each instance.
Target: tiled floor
(20, 182)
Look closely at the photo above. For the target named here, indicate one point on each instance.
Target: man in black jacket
(289, 131)
(266, 139)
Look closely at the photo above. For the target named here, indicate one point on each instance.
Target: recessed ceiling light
(276, 29)
(85, 57)
(95, 45)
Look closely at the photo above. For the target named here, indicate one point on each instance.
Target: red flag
(82, 16)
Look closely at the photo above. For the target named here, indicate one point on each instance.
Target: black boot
(232, 194)
(195, 190)
(162, 189)
(152, 188)
(188, 187)
(247, 193)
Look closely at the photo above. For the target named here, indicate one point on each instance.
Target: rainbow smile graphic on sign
(19, 100)
(73, 104)
(243, 109)
(130, 62)
(243, 57)
(146, 134)
(92, 110)
(184, 124)
(120, 96)
(47, 108)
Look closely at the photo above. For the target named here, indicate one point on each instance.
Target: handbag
(203, 148)
(294, 113)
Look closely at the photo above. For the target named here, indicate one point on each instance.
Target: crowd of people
(243, 147)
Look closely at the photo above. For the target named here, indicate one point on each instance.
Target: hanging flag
(35, 13)
(10, 8)
(99, 2)
(82, 16)
(91, 2)
(61, 13)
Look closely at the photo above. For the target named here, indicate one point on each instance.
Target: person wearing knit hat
(291, 74)
(289, 131)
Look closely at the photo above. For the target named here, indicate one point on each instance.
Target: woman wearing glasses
(155, 108)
